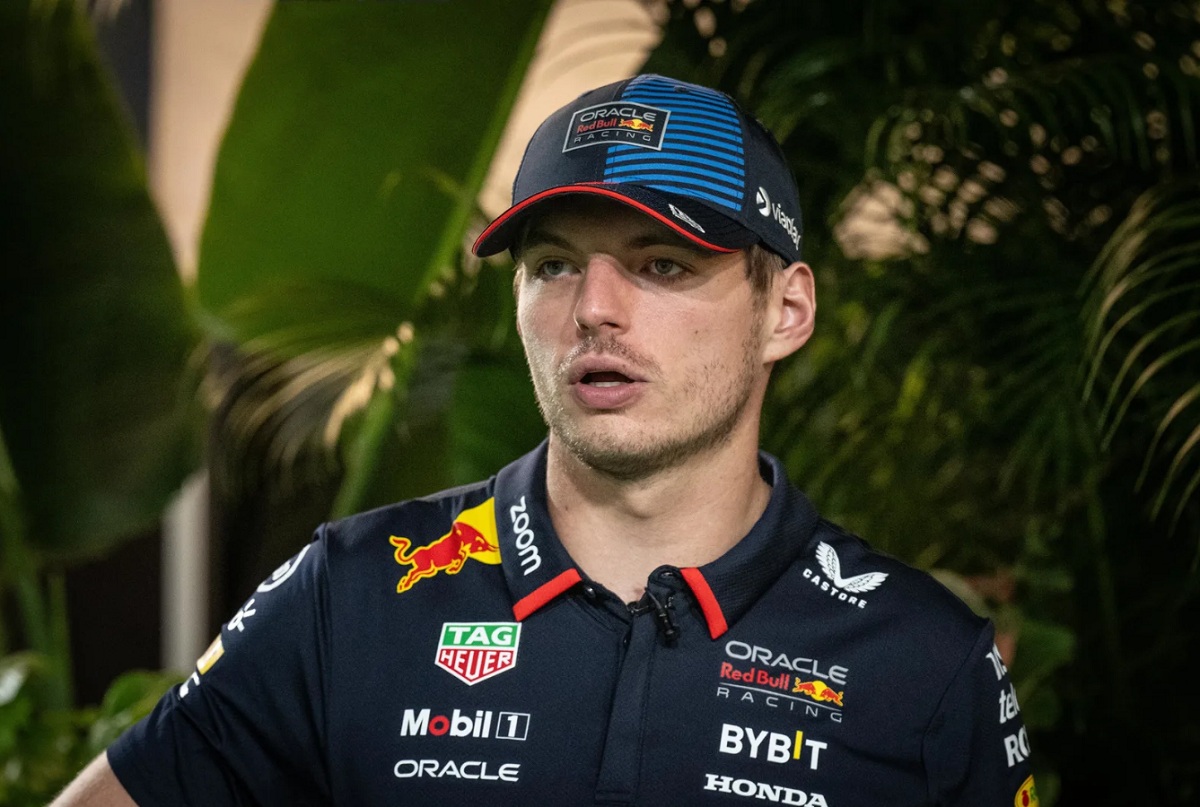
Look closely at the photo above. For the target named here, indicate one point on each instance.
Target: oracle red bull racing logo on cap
(476, 651)
(471, 536)
(622, 122)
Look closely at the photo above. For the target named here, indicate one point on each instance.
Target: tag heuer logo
(475, 651)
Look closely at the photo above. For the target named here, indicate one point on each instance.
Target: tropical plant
(1001, 207)
(343, 191)
(97, 425)
(338, 211)
(96, 413)
(44, 747)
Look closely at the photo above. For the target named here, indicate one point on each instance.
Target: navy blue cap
(683, 154)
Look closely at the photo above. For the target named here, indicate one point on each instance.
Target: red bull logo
(637, 124)
(1027, 795)
(472, 535)
(818, 691)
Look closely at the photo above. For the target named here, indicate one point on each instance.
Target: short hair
(762, 265)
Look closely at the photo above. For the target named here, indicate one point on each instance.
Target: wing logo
(828, 558)
(846, 589)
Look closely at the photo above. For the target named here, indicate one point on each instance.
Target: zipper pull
(668, 628)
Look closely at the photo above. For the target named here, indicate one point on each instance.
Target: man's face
(644, 349)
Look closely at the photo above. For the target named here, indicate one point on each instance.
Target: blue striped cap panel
(701, 151)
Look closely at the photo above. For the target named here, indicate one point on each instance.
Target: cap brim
(684, 215)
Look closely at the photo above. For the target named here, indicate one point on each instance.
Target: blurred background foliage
(1002, 212)
(1001, 204)
(99, 420)
(344, 185)
(330, 252)
(95, 397)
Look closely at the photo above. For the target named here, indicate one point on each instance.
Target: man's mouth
(604, 383)
(605, 379)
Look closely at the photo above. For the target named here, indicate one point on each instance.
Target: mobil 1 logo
(480, 724)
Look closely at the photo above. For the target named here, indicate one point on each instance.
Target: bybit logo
(770, 746)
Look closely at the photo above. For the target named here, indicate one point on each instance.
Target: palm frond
(1141, 318)
(286, 392)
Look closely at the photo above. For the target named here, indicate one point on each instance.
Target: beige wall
(201, 51)
(203, 47)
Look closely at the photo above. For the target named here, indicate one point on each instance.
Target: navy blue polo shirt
(447, 651)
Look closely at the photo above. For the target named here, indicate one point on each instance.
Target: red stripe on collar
(708, 601)
(545, 593)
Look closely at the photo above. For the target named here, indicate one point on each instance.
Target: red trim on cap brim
(545, 593)
(708, 601)
(597, 190)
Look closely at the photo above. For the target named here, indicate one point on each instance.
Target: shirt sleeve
(248, 725)
(976, 747)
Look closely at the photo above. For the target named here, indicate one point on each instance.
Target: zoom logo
(526, 548)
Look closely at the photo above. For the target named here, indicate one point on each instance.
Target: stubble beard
(628, 456)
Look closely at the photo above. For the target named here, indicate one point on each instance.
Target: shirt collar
(538, 568)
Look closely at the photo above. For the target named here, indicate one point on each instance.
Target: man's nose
(604, 296)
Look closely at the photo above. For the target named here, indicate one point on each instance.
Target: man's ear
(792, 314)
(517, 274)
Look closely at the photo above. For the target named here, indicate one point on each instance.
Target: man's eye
(664, 267)
(553, 268)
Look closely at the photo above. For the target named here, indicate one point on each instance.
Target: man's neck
(619, 531)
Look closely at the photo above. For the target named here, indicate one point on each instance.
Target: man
(641, 611)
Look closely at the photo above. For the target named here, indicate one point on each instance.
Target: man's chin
(625, 457)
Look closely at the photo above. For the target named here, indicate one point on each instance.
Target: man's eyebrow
(668, 239)
(537, 237)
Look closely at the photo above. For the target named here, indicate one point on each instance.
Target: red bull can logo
(471, 536)
(637, 124)
(1027, 795)
(818, 691)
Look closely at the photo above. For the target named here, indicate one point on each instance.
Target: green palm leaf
(95, 385)
(343, 189)
(1141, 315)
